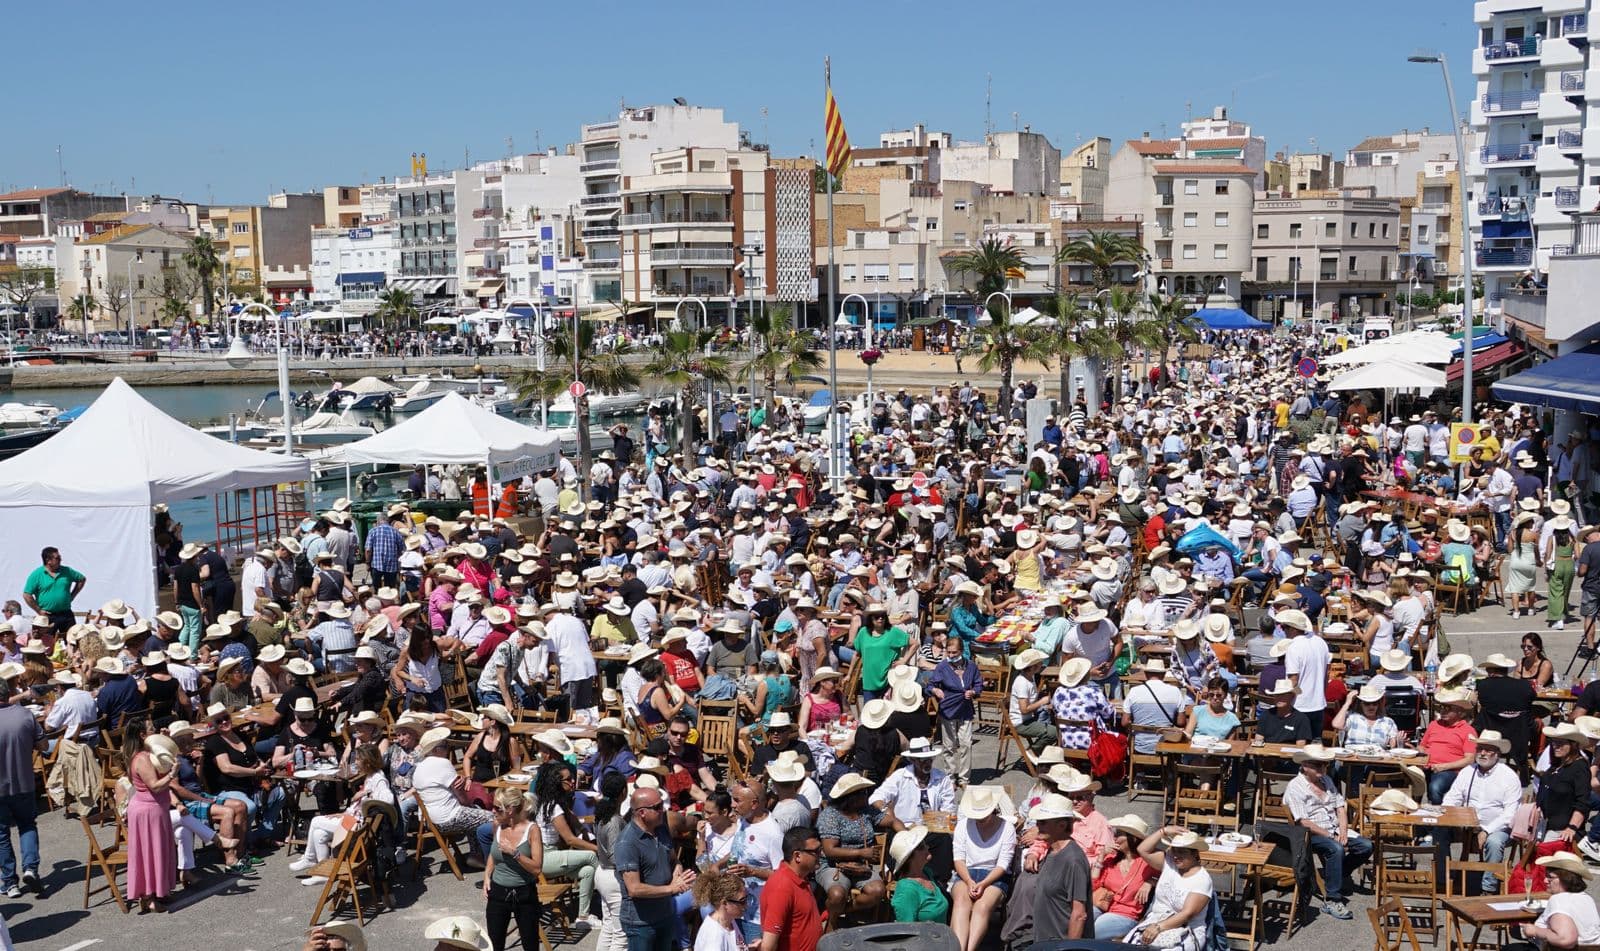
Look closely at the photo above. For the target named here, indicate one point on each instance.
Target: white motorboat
(366, 394)
(318, 429)
(424, 391)
(602, 406)
(503, 403)
(27, 415)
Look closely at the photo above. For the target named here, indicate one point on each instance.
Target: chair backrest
(1391, 925)
(1460, 874)
(716, 736)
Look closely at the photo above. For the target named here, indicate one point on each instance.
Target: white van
(1376, 328)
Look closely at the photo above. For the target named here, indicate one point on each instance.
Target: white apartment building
(1538, 156)
(39, 252)
(351, 267)
(1010, 163)
(126, 264)
(612, 152)
(1388, 164)
(517, 197)
(1352, 244)
(1218, 138)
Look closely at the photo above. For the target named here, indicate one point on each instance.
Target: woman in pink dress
(152, 852)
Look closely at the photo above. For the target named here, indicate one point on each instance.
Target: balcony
(1575, 24)
(677, 217)
(1517, 100)
(1164, 199)
(1505, 257)
(1512, 50)
(1510, 152)
(1568, 140)
(607, 165)
(1510, 208)
(691, 257)
(485, 242)
(600, 132)
(485, 272)
(602, 264)
(1566, 196)
(601, 231)
(1166, 264)
(695, 289)
(1572, 80)
(607, 198)
(1562, 250)
(485, 212)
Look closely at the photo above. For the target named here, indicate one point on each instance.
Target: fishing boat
(316, 430)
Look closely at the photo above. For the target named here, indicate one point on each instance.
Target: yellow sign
(1464, 438)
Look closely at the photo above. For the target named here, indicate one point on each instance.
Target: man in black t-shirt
(781, 738)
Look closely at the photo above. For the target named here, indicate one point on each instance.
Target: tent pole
(311, 503)
(489, 487)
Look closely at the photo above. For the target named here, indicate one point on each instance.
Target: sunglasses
(680, 734)
(742, 900)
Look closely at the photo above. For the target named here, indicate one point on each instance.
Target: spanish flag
(838, 140)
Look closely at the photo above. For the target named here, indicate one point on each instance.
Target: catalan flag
(838, 140)
(1016, 273)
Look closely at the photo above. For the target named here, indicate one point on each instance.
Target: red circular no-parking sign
(577, 389)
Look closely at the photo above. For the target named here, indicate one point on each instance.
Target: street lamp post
(1316, 253)
(705, 321)
(239, 357)
(1296, 278)
(844, 321)
(1466, 251)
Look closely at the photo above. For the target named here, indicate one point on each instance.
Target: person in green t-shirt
(916, 898)
(50, 589)
(880, 647)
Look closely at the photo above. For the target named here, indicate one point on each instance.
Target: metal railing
(486, 272)
(606, 231)
(711, 217)
(1572, 80)
(605, 165)
(1516, 99)
(1511, 152)
(1164, 199)
(1561, 250)
(485, 242)
(605, 264)
(1566, 196)
(1567, 140)
(641, 218)
(1504, 257)
(667, 257)
(1513, 207)
(699, 289)
(607, 198)
(1512, 49)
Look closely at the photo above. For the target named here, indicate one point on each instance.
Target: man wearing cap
(1493, 790)
(1315, 804)
(50, 588)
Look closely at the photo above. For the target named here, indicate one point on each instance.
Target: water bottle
(1432, 681)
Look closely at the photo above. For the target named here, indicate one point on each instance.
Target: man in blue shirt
(384, 544)
(1052, 432)
(119, 694)
(650, 879)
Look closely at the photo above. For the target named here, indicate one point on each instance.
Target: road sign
(919, 480)
(577, 389)
(1464, 437)
(1307, 367)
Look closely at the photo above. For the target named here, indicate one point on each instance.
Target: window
(1372, 229)
(1331, 230)
(1191, 219)
(1328, 269)
(1261, 269)
(960, 238)
(1294, 229)
(861, 239)
(1190, 252)
(907, 272)
(1221, 220)
(1355, 229)
(241, 227)
(141, 282)
(1350, 267)
(1261, 230)
(875, 272)
(1383, 266)
(933, 224)
(1222, 186)
(958, 205)
(1386, 229)
(1422, 233)
(708, 166)
(1219, 252)
(1038, 239)
(1191, 186)
(1294, 269)
(847, 274)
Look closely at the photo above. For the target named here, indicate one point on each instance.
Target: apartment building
(35, 212)
(903, 154)
(1303, 172)
(1388, 164)
(536, 197)
(611, 152)
(431, 210)
(1537, 155)
(1080, 277)
(352, 266)
(1084, 172)
(1010, 163)
(1219, 138)
(1431, 234)
(1196, 211)
(123, 270)
(341, 206)
(266, 249)
(1352, 244)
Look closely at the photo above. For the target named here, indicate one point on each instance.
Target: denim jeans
(1494, 849)
(1109, 927)
(1338, 861)
(18, 812)
(1439, 784)
(656, 936)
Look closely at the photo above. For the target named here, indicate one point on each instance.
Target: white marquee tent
(88, 490)
(457, 430)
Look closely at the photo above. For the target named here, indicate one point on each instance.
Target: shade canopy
(1570, 381)
(1227, 318)
(1027, 316)
(457, 430)
(1381, 351)
(1390, 375)
(88, 490)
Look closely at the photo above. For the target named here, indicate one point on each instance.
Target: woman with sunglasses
(1534, 666)
(725, 894)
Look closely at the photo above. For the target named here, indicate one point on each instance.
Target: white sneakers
(300, 865)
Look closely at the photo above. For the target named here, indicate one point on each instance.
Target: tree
(82, 309)
(203, 259)
(680, 361)
(396, 308)
(1125, 328)
(116, 299)
(1102, 251)
(1066, 340)
(1001, 343)
(781, 349)
(602, 371)
(20, 285)
(1173, 323)
(176, 293)
(988, 264)
(820, 177)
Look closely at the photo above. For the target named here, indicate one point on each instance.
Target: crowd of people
(734, 702)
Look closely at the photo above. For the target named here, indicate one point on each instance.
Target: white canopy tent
(1390, 375)
(1381, 350)
(456, 430)
(88, 490)
(1028, 316)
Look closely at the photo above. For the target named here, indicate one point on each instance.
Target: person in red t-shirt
(790, 919)
(1448, 741)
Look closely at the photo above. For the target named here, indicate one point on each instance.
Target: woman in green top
(511, 875)
(774, 690)
(1558, 554)
(916, 898)
(880, 647)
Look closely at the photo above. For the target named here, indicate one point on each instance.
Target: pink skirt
(152, 853)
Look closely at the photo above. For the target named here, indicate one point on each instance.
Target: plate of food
(1533, 904)
(516, 777)
(1364, 749)
(1234, 839)
(1404, 753)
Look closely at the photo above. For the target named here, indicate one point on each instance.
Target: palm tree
(989, 263)
(1127, 327)
(1173, 323)
(81, 309)
(1001, 343)
(681, 361)
(1068, 339)
(1102, 251)
(601, 371)
(396, 307)
(203, 259)
(781, 349)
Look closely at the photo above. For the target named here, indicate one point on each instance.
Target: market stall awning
(1570, 382)
(1228, 318)
(1486, 358)
(1482, 338)
(359, 277)
(1389, 375)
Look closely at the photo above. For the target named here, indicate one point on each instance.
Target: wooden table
(326, 691)
(1478, 911)
(1251, 858)
(1453, 817)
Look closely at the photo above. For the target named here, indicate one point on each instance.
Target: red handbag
(1108, 753)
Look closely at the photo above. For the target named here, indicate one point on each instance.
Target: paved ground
(269, 909)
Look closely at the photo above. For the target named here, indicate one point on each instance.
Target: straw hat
(1566, 862)
(847, 784)
(1217, 628)
(969, 587)
(1500, 661)
(457, 931)
(1186, 630)
(1074, 671)
(1315, 753)
(921, 748)
(1131, 824)
(1294, 618)
(906, 698)
(1185, 840)
(1088, 613)
(497, 712)
(979, 802)
(1458, 698)
(1053, 806)
(1394, 800)
(875, 714)
(365, 718)
(1494, 739)
(641, 652)
(610, 725)
(788, 771)
(1027, 658)
(555, 740)
(1395, 661)
(1454, 665)
(111, 666)
(1564, 731)
(1283, 688)
(1171, 584)
(1371, 693)
(431, 740)
(824, 673)
(299, 667)
(163, 750)
(904, 843)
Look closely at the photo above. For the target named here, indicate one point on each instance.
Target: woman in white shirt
(374, 788)
(1182, 893)
(1569, 917)
(985, 842)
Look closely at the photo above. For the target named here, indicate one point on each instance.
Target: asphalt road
(269, 909)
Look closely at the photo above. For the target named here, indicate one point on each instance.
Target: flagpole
(834, 436)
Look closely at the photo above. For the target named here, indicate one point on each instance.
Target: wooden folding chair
(1189, 799)
(994, 697)
(345, 871)
(1406, 874)
(717, 736)
(1010, 736)
(427, 830)
(1146, 764)
(553, 896)
(108, 861)
(1391, 926)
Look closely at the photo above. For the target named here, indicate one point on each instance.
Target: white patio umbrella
(1382, 350)
(440, 321)
(1389, 376)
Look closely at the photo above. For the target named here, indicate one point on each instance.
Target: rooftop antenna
(1013, 120)
(60, 168)
(988, 105)
(537, 141)
(511, 148)
(766, 133)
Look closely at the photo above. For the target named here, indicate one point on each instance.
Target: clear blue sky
(342, 91)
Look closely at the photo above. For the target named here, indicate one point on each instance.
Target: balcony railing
(485, 212)
(608, 198)
(606, 165)
(486, 272)
(1505, 257)
(1572, 80)
(603, 264)
(1567, 196)
(485, 242)
(697, 289)
(1561, 250)
(1510, 101)
(1512, 49)
(1510, 152)
(708, 257)
(1575, 24)
(704, 217)
(1166, 264)
(1568, 140)
(604, 231)
(1514, 207)
(1164, 199)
